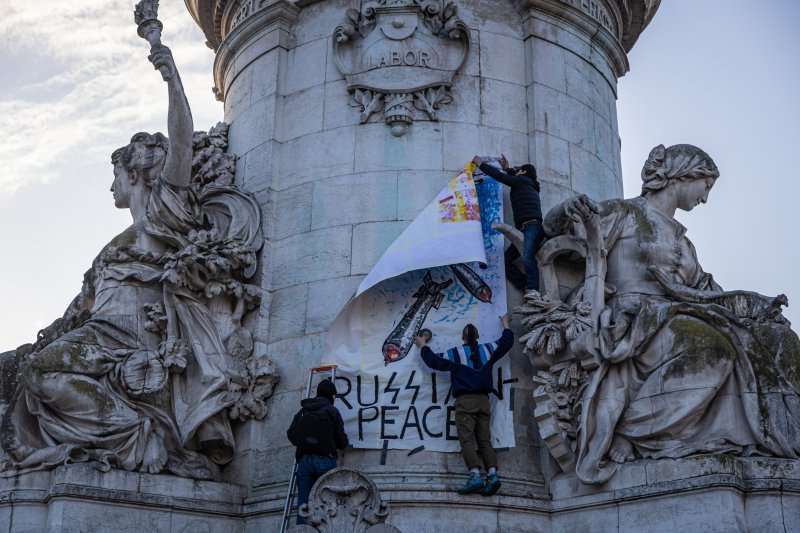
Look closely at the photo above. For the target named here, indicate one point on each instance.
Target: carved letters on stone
(400, 56)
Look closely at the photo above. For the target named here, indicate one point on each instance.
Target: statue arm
(560, 219)
(180, 127)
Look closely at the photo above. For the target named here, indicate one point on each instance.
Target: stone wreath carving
(640, 354)
(344, 499)
(400, 56)
(151, 361)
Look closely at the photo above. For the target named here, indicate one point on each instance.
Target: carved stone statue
(151, 361)
(642, 354)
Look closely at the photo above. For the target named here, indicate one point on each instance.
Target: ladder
(289, 509)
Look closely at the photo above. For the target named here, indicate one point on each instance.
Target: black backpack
(312, 433)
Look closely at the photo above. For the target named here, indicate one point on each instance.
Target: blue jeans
(309, 469)
(533, 236)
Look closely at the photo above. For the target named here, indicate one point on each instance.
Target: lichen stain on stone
(701, 346)
(62, 356)
(126, 239)
(774, 353)
(644, 225)
(93, 392)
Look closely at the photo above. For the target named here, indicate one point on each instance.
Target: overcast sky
(76, 84)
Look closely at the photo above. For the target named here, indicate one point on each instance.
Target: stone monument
(171, 378)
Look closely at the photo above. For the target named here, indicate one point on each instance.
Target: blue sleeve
(435, 362)
(498, 175)
(504, 344)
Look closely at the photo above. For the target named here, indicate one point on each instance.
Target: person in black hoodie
(317, 431)
(471, 383)
(527, 218)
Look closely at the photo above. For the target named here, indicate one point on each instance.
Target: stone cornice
(270, 24)
(610, 26)
(624, 20)
(601, 25)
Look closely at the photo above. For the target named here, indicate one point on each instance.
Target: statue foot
(621, 450)
(155, 454)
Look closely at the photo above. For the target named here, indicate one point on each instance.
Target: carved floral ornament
(400, 56)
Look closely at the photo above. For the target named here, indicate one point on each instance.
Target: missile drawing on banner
(399, 342)
(472, 282)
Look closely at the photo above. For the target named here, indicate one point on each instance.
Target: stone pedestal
(715, 494)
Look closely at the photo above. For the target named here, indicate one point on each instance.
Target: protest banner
(444, 271)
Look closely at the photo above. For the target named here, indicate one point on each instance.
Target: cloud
(96, 88)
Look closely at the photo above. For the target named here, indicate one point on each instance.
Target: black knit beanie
(326, 389)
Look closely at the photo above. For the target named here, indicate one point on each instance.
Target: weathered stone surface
(301, 113)
(377, 149)
(547, 65)
(553, 161)
(288, 313)
(512, 67)
(370, 241)
(304, 66)
(265, 71)
(326, 153)
(287, 211)
(334, 203)
(322, 254)
(503, 105)
(563, 116)
(256, 123)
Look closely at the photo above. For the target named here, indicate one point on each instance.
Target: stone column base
(715, 493)
(707, 493)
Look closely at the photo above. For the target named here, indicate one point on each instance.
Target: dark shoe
(474, 484)
(492, 485)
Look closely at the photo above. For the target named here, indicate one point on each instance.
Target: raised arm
(431, 359)
(506, 340)
(499, 175)
(180, 128)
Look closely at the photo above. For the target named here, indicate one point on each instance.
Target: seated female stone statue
(684, 367)
(141, 371)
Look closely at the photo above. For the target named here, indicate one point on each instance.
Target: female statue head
(682, 166)
(139, 163)
(681, 162)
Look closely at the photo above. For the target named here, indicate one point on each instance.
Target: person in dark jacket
(317, 431)
(471, 383)
(527, 209)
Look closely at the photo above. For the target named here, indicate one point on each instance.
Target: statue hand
(581, 208)
(161, 58)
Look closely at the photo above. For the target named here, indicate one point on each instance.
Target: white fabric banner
(443, 272)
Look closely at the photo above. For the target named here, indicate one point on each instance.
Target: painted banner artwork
(443, 272)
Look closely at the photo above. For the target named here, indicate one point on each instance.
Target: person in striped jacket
(470, 370)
